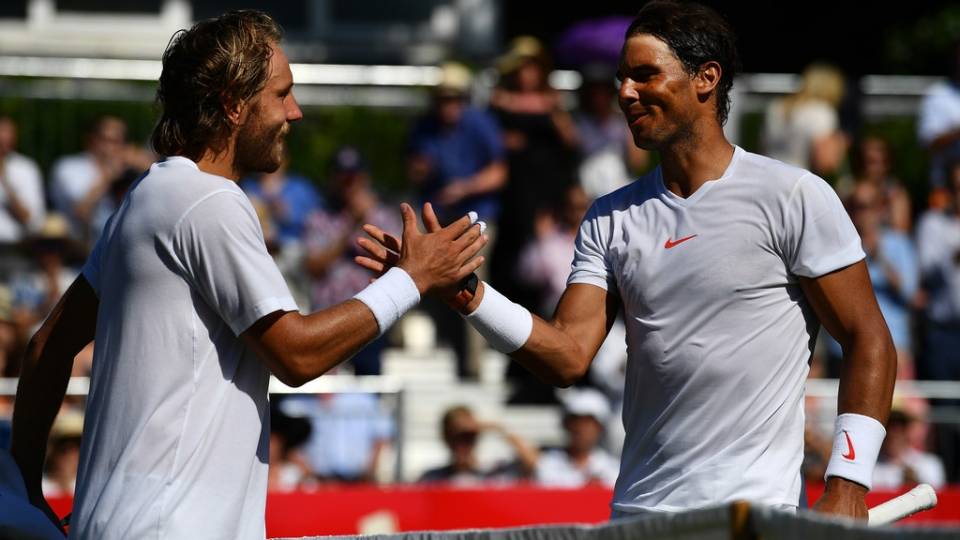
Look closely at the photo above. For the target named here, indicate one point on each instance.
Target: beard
(259, 148)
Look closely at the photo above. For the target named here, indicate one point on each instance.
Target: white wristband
(504, 324)
(856, 443)
(389, 297)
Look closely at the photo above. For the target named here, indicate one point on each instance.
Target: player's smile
(652, 83)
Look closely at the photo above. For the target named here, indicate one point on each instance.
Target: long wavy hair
(207, 70)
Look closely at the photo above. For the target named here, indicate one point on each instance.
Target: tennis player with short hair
(190, 314)
(723, 263)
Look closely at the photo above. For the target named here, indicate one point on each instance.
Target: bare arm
(43, 381)
(847, 308)
(489, 179)
(559, 351)
(298, 348)
(527, 454)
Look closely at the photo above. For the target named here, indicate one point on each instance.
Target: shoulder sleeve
(818, 236)
(590, 261)
(220, 246)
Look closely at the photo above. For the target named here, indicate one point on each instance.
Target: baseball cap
(585, 402)
(455, 80)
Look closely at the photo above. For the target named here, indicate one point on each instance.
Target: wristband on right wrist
(390, 297)
(504, 324)
(856, 444)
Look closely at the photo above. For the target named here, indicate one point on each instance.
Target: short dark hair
(215, 63)
(696, 34)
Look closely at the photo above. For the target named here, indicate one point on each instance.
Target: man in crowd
(191, 315)
(461, 431)
(582, 461)
(721, 262)
(21, 188)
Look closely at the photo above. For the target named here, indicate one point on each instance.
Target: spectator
(456, 157)
(582, 461)
(63, 458)
(873, 163)
(608, 155)
(21, 188)
(329, 240)
(457, 161)
(938, 240)
(80, 183)
(288, 467)
(38, 288)
(289, 199)
(540, 140)
(892, 263)
(461, 430)
(803, 128)
(544, 263)
(938, 246)
(900, 464)
(938, 127)
(348, 434)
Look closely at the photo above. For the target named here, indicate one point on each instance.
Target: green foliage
(924, 47)
(50, 128)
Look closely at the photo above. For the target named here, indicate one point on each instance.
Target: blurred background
(508, 109)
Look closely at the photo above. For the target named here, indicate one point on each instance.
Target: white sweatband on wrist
(504, 324)
(856, 443)
(389, 297)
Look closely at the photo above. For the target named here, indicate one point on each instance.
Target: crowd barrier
(351, 510)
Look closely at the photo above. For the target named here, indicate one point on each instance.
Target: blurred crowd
(529, 160)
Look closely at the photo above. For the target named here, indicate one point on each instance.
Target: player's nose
(294, 113)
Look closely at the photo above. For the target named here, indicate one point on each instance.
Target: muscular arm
(560, 351)
(298, 348)
(847, 308)
(44, 376)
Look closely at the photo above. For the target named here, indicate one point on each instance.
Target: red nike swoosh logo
(851, 455)
(674, 243)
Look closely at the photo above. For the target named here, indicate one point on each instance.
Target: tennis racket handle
(918, 499)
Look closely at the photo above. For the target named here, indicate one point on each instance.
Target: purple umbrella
(594, 41)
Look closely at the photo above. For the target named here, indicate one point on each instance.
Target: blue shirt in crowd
(300, 198)
(897, 250)
(457, 153)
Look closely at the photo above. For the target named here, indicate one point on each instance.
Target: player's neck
(695, 160)
(220, 163)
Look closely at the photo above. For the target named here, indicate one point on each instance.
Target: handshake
(438, 261)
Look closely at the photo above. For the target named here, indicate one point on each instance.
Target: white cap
(585, 402)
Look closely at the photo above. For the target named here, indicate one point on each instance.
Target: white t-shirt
(556, 469)
(23, 175)
(719, 334)
(71, 180)
(176, 437)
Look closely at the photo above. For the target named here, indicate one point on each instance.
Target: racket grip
(918, 499)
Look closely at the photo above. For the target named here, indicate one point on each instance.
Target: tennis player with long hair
(190, 315)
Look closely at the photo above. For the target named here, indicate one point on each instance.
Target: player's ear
(234, 109)
(707, 78)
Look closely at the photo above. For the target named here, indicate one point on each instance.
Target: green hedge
(51, 128)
